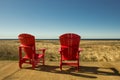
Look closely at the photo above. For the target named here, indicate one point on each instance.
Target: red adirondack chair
(69, 50)
(27, 51)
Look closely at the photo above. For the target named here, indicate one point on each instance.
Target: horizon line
(58, 39)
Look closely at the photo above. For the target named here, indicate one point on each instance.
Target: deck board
(9, 70)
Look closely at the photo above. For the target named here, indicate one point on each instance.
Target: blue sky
(51, 18)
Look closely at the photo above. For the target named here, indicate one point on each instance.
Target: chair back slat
(69, 44)
(27, 42)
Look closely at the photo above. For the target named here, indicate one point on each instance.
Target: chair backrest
(27, 42)
(70, 45)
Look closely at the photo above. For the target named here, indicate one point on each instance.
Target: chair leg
(78, 68)
(78, 65)
(43, 61)
(20, 65)
(61, 65)
(33, 65)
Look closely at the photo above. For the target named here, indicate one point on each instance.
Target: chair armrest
(21, 47)
(59, 49)
(24, 46)
(62, 48)
(41, 50)
(80, 49)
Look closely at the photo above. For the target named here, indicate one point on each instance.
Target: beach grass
(93, 50)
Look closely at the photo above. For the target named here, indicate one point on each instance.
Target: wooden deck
(9, 70)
